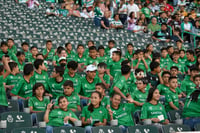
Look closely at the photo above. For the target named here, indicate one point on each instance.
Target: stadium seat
(16, 119)
(28, 130)
(39, 117)
(175, 128)
(197, 127)
(174, 115)
(13, 105)
(143, 129)
(68, 130)
(106, 129)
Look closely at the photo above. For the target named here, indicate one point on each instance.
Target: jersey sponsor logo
(121, 115)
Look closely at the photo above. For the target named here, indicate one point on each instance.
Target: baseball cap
(61, 58)
(91, 68)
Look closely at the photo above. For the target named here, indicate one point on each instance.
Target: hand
(88, 121)
(49, 106)
(140, 104)
(168, 40)
(130, 100)
(98, 124)
(156, 120)
(166, 121)
(27, 98)
(101, 76)
(66, 119)
(110, 112)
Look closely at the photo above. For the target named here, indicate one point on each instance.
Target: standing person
(94, 114)
(132, 7)
(122, 11)
(131, 21)
(59, 117)
(98, 14)
(154, 110)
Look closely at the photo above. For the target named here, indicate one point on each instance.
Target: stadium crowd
(114, 85)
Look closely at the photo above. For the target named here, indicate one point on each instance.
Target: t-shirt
(70, 56)
(153, 78)
(63, 12)
(37, 104)
(104, 102)
(162, 35)
(56, 117)
(163, 89)
(106, 78)
(153, 28)
(146, 11)
(13, 49)
(180, 66)
(87, 88)
(106, 22)
(116, 23)
(114, 66)
(76, 81)
(80, 59)
(41, 78)
(164, 62)
(140, 97)
(172, 97)
(123, 114)
(188, 86)
(99, 114)
(128, 55)
(191, 108)
(153, 111)
(23, 88)
(133, 8)
(20, 66)
(50, 55)
(90, 61)
(27, 55)
(3, 98)
(141, 64)
(13, 79)
(97, 11)
(31, 59)
(103, 58)
(73, 100)
(11, 55)
(55, 88)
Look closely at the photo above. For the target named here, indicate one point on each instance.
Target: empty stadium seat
(175, 128)
(143, 129)
(106, 129)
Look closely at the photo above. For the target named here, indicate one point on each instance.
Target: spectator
(186, 26)
(146, 11)
(32, 3)
(116, 23)
(98, 14)
(154, 7)
(168, 7)
(105, 22)
(196, 29)
(132, 7)
(153, 26)
(131, 21)
(51, 11)
(139, 28)
(122, 11)
(162, 35)
(162, 18)
(144, 20)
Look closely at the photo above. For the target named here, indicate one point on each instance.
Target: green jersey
(153, 111)
(79, 59)
(70, 56)
(87, 88)
(98, 114)
(76, 81)
(122, 85)
(182, 60)
(21, 66)
(27, 55)
(172, 97)
(103, 58)
(37, 104)
(23, 88)
(188, 86)
(90, 60)
(13, 79)
(50, 55)
(55, 88)
(97, 12)
(141, 64)
(56, 117)
(140, 97)
(11, 55)
(31, 59)
(189, 63)
(123, 114)
(115, 67)
(13, 49)
(106, 78)
(56, 58)
(146, 11)
(191, 108)
(128, 55)
(3, 97)
(164, 62)
(180, 66)
(104, 102)
(163, 89)
(73, 100)
(41, 78)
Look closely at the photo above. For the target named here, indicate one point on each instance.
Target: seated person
(32, 3)
(105, 22)
(139, 28)
(116, 23)
(154, 110)
(51, 11)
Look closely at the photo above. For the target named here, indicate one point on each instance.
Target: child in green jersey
(101, 54)
(4, 51)
(69, 51)
(34, 52)
(191, 59)
(163, 88)
(121, 112)
(3, 75)
(23, 89)
(154, 110)
(25, 49)
(37, 103)
(165, 59)
(60, 53)
(59, 117)
(94, 114)
(92, 58)
(174, 73)
(90, 43)
(130, 51)
(105, 101)
(191, 110)
(11, 46)
(111, 44)
(196, 81)
(20, 60)
(80, 57)
(105, 79)
(173, 95)
(182, 58)
(48, 52)
(72, 97)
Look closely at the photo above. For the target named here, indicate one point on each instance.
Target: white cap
(91, 68)
(111, 51)
(61, 58)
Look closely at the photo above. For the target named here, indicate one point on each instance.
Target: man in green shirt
(24, 87)
(69, 51)
(130, 51)
(191, 59)
(73, 76)
(11, 46)
(4, 51)
(40, 75)
(25, 49)
(92, 59)
(80, 57)
(48, 52)
(153, 26)
(34, 52)
(164, 88)
(56, 82)
(20, 60)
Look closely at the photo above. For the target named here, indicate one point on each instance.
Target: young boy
(25, 49)
(89, 44)
(196, 80)
(40, 75)
(11, 46)
(72, 97)
(69, 51)
(73, 76)
(21, 60)
(165, 59)
(191, 59)
(174, 73)
(60, 53)
(179, 45)
(102, 56)
(182, 58)
(111, 44)
(56, 82)
(48, 52)
(4, 51)
(105, 102)
(3, 75)
(163, 88)
(34, 52)
(92, 59)
(173, 95)
(147, 58)
(140, 94)
(105, 79)
(80, 58)
(130, 51)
